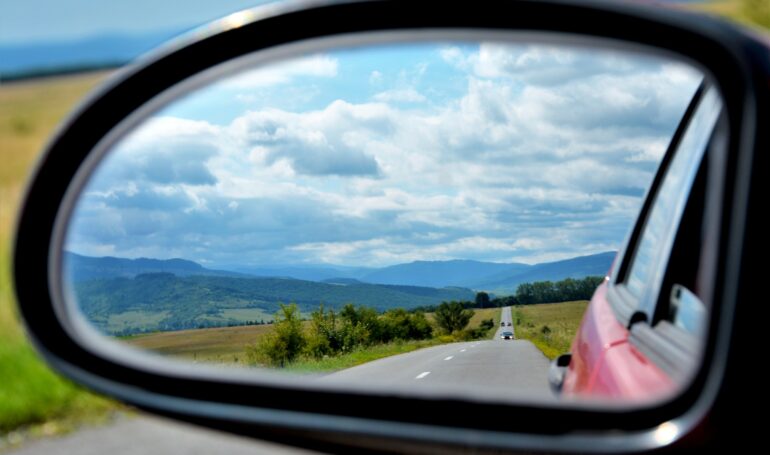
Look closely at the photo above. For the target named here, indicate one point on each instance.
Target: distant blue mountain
(500, 278)
(578, 267)
(461, 273)
(309, 273)
(82, 268)
(115, 49)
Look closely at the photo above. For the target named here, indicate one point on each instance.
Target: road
(148, 435)
(499, 369)
(507, 368)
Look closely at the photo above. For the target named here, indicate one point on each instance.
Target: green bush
(284, 343)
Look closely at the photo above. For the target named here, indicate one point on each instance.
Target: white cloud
(375, 78)
(282, 73)
(544, 155)
(406, 95)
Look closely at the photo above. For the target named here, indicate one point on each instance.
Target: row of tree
(331, 333)
(552, 291)
(530, 293)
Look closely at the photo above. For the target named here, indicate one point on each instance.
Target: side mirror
(557, 372)
(433, 186)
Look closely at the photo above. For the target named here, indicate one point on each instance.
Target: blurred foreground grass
(754, 13)
(30, 393)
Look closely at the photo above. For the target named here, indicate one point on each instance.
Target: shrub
(284, 343)
(452, 316)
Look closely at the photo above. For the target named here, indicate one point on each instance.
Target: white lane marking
(449, 358)
(422, 375)
(462, 350)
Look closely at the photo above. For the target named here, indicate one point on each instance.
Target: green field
(550, 326)
(140, 320)
(30, 393)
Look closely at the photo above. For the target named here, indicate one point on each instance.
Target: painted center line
(462, 350)
(449, 358)
(422, 375)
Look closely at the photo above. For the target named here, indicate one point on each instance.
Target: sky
(383, 155)
(24, 21)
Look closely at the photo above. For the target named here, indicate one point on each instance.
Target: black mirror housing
(353, 420)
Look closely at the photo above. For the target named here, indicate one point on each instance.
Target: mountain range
(501, 278)
(19, 59)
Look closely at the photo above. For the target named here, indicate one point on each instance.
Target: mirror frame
(340, 420)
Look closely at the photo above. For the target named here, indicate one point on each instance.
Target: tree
(284, 343)
(452, 316)
(399, 324)
(482, 300)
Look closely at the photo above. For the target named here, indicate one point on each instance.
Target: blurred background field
(30, 393)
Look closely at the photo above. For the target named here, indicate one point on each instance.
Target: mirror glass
(428, 215)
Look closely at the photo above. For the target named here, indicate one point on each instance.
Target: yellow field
(217, 345)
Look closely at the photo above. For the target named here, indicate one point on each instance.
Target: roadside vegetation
(358, 334)
(551, 327)
(31, 395)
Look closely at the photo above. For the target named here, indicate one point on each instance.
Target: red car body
(605, 365)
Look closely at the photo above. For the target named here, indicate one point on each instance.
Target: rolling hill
(83, 268)
(164, 301)
(502, 278)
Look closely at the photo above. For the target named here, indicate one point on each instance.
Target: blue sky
(69, 20)
(52, 20)
(385, 155)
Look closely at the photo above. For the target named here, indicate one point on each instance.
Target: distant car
(502, 324)
(509, 324)
(507, 335)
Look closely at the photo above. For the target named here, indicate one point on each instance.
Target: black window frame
(628, 307)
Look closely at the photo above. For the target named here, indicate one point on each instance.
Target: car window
(655, 244)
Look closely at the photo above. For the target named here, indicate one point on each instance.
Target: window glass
(657, 238)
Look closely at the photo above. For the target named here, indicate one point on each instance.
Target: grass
(31, 395)
(549, 326)
(360, 356)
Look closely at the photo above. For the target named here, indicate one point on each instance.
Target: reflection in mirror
(430, 215)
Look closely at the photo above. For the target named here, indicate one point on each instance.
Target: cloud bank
(535, 153)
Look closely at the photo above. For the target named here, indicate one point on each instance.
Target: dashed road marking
(422, 375)
(462, 350)
(449, 358)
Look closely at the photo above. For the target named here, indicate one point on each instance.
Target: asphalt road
(505, 368)
(147, 435)
(488, 368)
